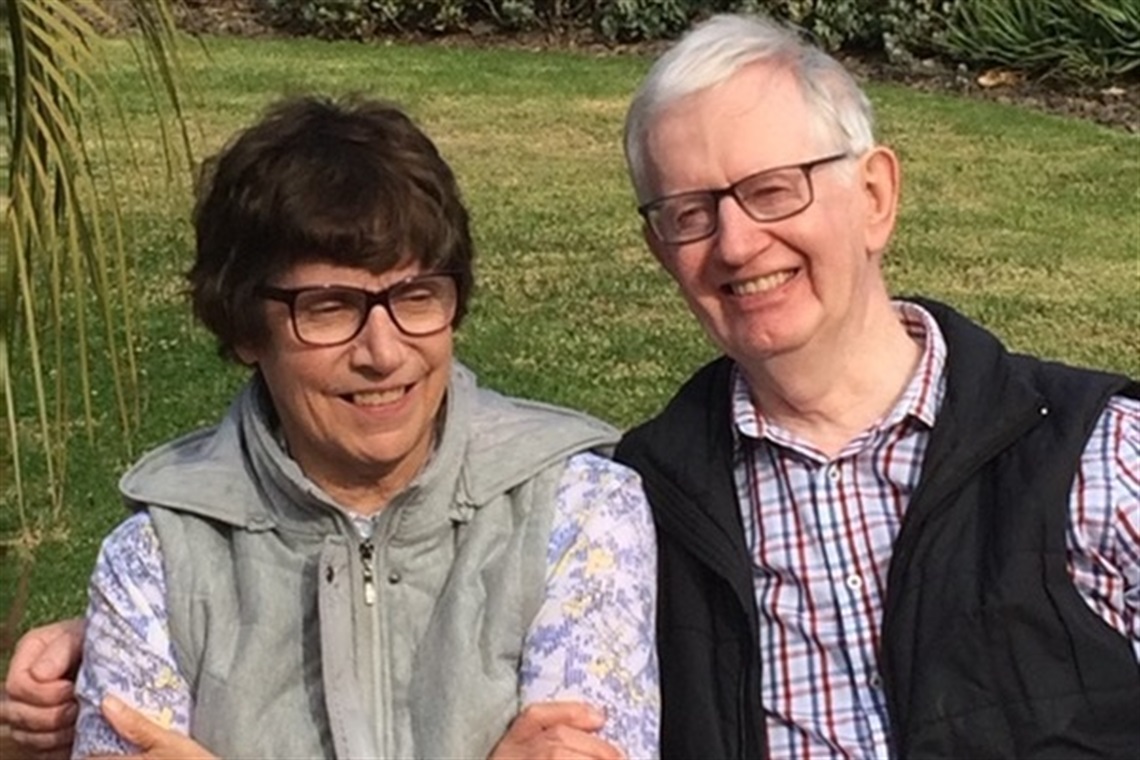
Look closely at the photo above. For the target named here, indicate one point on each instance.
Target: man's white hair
(713, 51)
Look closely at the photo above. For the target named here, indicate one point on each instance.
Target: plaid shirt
(820, 532)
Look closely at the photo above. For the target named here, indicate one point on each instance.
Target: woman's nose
(380, 345)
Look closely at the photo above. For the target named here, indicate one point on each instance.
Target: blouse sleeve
(593, 639)
(127, 650)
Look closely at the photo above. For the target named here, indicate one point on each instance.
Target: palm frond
(65, 281)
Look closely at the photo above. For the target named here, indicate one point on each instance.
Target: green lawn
(1028, 222)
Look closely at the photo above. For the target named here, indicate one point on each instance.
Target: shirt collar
(919, 401)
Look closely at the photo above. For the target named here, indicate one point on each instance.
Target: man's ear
(657, 248)
(880, 183)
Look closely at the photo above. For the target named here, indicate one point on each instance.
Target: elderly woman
(369, 555)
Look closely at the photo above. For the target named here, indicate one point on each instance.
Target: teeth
(762, 284)
(378, 398)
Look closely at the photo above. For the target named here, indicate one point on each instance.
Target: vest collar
(239, 474)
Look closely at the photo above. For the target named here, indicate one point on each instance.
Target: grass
(1029, 223)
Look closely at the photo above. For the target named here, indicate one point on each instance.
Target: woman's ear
(246, 355)
(880, 178)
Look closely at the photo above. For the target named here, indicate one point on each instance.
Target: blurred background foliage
(65, 275)
(1088, 39)
(1026, 222)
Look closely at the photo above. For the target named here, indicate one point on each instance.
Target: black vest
(988, 649)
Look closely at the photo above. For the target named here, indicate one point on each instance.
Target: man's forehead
(754, 120)
(740, 91)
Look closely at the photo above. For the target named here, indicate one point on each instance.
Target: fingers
(37, 702)
(556, 731)
(40, 732)
(10, 750)
(25, 718)
(541, 716)
(24, 696)
(42, 746)
(32, 732)
(60, 656)
(44, 658)
(556, 743)
(131, 724)
(153, 740)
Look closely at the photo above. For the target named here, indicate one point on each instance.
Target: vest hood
(238, 473)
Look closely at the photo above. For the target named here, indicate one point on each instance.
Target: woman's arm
(593, 639)
(127, 650)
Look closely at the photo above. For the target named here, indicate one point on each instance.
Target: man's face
(766, 289)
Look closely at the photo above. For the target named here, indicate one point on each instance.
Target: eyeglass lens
(766, 196)
(420, 306)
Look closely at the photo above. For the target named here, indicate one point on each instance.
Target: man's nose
(738, 236)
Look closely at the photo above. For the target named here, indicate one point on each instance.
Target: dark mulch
(1113, 104)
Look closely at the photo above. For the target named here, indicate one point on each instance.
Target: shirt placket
(849, 569)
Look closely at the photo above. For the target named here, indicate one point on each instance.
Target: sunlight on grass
(1029, 223)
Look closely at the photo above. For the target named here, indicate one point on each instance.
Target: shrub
(915, 28)
(636, 20)
(1084, 39)
(1079, 38)
(362, 19)
(835, 24)
(902, 29)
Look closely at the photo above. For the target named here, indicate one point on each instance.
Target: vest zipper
(366, 553)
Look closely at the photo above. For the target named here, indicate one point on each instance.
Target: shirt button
(394, 577)
(854, 582)
(833, 473)
(876, 681)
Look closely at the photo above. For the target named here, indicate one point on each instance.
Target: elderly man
(880, 534)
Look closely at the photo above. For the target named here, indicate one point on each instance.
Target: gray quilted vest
(299, 642)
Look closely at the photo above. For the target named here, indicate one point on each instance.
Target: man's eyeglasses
(329, 315)
(767, 196)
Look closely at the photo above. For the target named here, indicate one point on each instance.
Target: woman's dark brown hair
(353, 183)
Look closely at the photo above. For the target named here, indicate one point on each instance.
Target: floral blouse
(592, 640)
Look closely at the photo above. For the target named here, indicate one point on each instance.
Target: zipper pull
(369, 580)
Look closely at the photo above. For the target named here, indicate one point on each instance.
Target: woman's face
(358, 418)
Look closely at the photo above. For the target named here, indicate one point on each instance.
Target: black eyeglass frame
(716, 194)
(372, 299)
